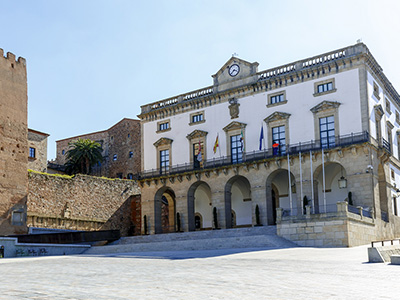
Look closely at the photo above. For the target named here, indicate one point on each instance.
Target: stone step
(196, 235)
(231, 239)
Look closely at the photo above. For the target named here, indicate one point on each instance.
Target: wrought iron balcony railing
(254, 156)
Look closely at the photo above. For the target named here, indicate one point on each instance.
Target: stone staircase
(252, 237)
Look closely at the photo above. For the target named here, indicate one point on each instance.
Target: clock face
(234, 70)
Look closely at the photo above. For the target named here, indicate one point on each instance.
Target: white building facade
(289, 146)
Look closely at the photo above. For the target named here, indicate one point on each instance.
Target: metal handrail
(254, 156)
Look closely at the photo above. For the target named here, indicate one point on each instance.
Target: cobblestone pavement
(295, 273)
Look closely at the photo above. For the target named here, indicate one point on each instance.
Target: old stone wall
(82, 203)
(38, 141)
(13, 144)
(63, 145)
(125, 150)
(121, 149)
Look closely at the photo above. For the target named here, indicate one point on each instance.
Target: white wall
(372, 100)
(253, 111)
(202, 200)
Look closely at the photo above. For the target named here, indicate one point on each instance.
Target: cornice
(301, 71)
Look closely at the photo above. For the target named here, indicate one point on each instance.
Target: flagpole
(323, 178)
(301, 184)
(290, 185)
(312, 183)
(262, 124)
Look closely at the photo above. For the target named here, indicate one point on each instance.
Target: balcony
(255, 156)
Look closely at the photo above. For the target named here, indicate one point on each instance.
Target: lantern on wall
(342, 181)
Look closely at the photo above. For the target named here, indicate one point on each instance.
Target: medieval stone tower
(13, 144)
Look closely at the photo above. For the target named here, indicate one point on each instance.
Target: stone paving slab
(294, 273)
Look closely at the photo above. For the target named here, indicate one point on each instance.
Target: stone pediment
(239, 68)
(379, 110)
(276, 116)
(325, 105)
(196, 134)
(163, 141)
(234, 125)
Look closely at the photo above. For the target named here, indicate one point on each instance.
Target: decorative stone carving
(278, 163)
(198, 175)
(196, 134)
(234, 125)
(234, 108)
(325, 105)
(179, 178)
(188, 177)
(340, 153)
(276, 116)
(379, 111)
(163, 141)
(171, 179)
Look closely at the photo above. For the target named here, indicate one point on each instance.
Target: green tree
(82, 155)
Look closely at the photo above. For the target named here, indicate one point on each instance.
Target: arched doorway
(278, 194)
(334, 191)
(199, 206)
(238, 204)
(164, 211)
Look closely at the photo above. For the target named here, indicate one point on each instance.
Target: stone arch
(238, 199)
(278, 187)
(164, 210)
(199, 201)
(333, 193)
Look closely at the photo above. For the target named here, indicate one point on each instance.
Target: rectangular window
(197, 118)
(163, 126)
(130, 154)
(198, 159)
(277, 98)
(392, 173)
(164, 161)
(32, 152)
(327, 131)
(236, 149)
(279, 140)
(395, 206)
(376, 91)
(115, 157)
(397, 117)
(387, 104)
(325, 87)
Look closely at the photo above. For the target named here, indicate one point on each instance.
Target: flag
(199, 157)
(216, 145)
(261, 137)
(241, 141)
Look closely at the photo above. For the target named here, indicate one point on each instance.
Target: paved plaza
(294, 273)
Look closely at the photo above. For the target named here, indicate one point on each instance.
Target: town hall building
(311, 147)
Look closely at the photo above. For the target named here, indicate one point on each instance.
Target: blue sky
(92, 63)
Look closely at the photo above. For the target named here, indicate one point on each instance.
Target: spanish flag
(216, 145)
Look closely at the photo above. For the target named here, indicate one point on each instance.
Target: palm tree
(82, 155)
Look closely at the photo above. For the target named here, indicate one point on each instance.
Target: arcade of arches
(228, 198)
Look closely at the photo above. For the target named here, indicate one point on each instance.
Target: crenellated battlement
(11, 57)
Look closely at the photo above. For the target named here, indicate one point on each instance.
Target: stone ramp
(255, 237)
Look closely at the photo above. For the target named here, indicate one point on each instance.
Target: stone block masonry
(83, 203)
(13, 144)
